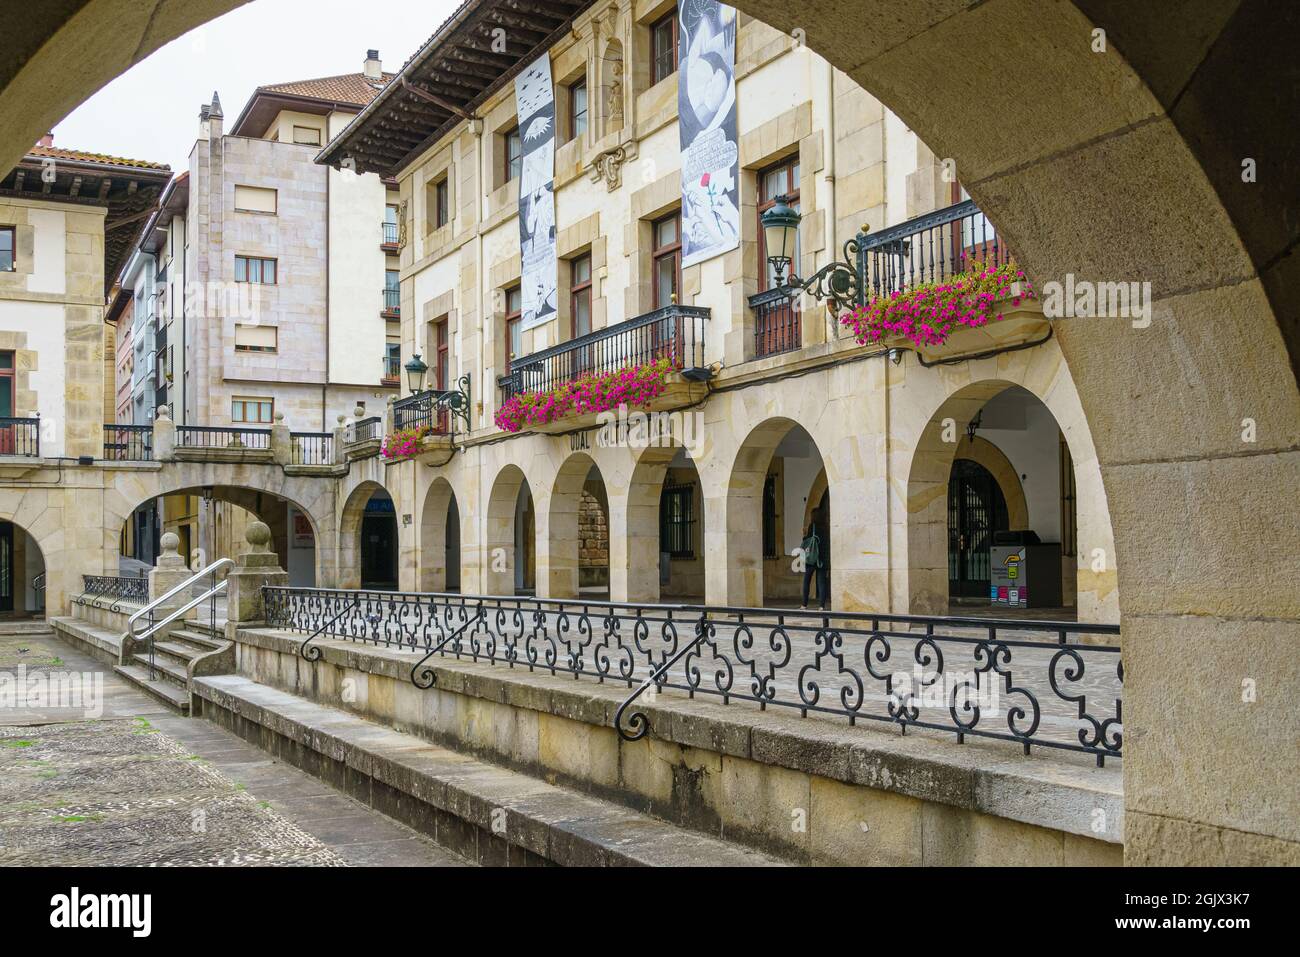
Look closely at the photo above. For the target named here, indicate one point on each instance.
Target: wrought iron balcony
(391, 303)
(435, 409)
(312, 448)
(675, 332)
(390, 235)
(392, 374)
(128, 443)
(20, 437)
(778, 325)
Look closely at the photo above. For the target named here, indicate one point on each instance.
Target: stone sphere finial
(164, 413)
(279, 416)
(169, 542)
(259, 536)
(342, 419)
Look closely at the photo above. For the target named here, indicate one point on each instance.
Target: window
(771, 547)
(256, 338)
(255, 199)
(392, 362)
(8, 251)
(6, 385)
(252, 411)
(514, 155)
(580, 295)
(677, 521)
(440, 367)
(441, 212)
(390, 225)
(514, 335)
(779, 180)
(663, 41)
(392, 291)
(578, 108)
(252, 269)
(1069, 503)
(306, 135)
(667, 260)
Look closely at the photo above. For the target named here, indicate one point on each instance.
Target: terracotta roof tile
(78, 156)
(353, 88)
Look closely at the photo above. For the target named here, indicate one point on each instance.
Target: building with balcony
(913, 462)
(289, 266)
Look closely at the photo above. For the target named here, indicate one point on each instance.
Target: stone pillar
(164, 437)
(169, 571)
(340, 438)
(257, 567)
(281, 441)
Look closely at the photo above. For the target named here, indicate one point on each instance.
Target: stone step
(483, 811)
(178, 651)
(18, 626)
(163, 689)
(196, 639)
(98, 642)
(165, 666)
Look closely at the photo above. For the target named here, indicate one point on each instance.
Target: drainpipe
(828, 91)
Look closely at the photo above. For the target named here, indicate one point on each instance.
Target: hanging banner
(539, 269)
(706, 100)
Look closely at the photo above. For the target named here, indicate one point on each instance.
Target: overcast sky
(152, 111)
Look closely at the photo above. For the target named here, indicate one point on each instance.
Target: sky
(151, 112)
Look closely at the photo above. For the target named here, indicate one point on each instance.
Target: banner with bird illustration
(539, 269)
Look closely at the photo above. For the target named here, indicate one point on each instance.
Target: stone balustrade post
(340, 438)
(281, 441)
(257, 567)
(170, 569)
(164, 437)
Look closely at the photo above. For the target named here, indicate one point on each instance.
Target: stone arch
(985, 453)
(24, 589)
(740, 540)
(351, 518)
(559, 564)
(499, 558)
(439, 518)
(943, 439)
(634, 523)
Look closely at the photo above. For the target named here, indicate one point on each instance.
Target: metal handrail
(149, 609)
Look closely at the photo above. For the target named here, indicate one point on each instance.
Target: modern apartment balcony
(389, 238)
(390, 307)
(391, 376)
(675, 333)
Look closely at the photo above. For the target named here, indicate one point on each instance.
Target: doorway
(976, 509)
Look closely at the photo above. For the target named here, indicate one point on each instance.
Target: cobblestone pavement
(129, 783)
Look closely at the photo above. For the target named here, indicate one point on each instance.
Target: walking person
(816, 555)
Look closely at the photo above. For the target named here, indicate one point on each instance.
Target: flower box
(677, 394)
(578, 404)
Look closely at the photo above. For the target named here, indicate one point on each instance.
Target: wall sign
(539, 267)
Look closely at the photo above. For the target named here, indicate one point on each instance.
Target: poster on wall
(706, 100)
(539, 268)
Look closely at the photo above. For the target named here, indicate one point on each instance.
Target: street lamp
(840, 284)
(415, 370)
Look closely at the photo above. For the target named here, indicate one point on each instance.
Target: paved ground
(129, 783)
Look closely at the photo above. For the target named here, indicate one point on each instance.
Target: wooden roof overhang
(129, 193)
(480, 48)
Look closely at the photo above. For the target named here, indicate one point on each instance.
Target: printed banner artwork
(539, 270)
(706, 100)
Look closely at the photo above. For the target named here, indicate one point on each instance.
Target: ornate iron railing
(117, 587)
(365, 430)
(312, 448)
(675, 332)
(777, 325)
(222, 437)
(128, 443)
(434, 408)
(389, 234)
(21, 437)
(1034, 683)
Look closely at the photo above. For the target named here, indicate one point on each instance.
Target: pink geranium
(633, 386)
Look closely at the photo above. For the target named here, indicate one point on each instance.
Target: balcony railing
(423, 409)
(20, 437)
(777, 325)
(221, 437)
(128, 443)
(117, 587)
(392, 302)
(929, 248)
(390, 235)
(312, 448)
(925, 249)
(365, 430)
(675, 332)
(392, 370)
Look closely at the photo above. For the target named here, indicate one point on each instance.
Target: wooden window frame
(657, 253)
(245, 400)
(12, 233)
(512, 319)
(766, 202)
(507, 162)
(576, 289)
(669, 21)
(275, 265)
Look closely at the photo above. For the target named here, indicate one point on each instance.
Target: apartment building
(910, 470)
(290, 267)
(68, 222)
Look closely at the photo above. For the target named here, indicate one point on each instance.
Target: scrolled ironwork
(1029, 683)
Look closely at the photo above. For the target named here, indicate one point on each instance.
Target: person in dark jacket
(816, 559)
